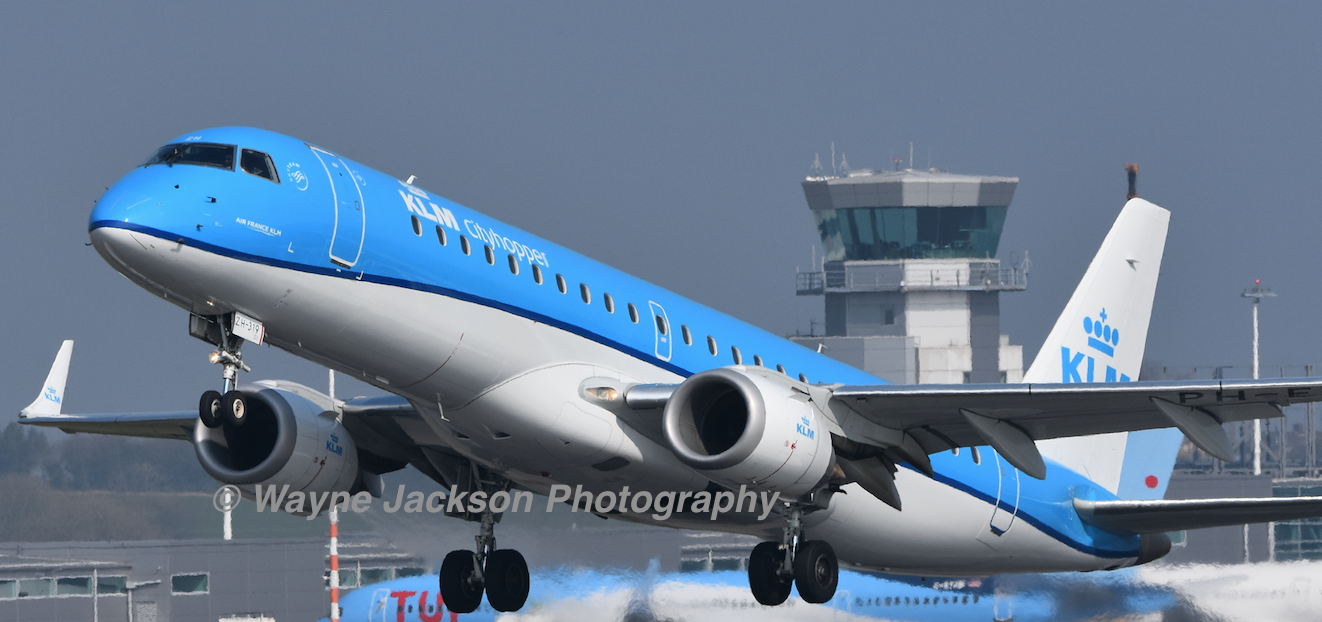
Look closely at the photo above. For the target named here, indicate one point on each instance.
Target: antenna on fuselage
(411, 178)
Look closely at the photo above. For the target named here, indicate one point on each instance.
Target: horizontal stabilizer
(1161, 516)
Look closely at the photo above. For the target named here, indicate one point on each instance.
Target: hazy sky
(669, 140)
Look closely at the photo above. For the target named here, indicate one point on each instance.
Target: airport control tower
(910, 275)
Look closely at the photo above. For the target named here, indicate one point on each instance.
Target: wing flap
(176, 425)
(1160, 516)
(1044, 411)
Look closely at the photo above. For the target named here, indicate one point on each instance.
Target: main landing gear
(216, 408)
(501, 573)
(810, 564)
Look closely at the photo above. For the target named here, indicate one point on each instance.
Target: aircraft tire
(816, 571)
(234, 409)
(764, 579)
(459, 591)
(507, 580)
(208, 409)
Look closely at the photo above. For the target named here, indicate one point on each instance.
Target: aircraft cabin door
(350, 216)
(378, 607)
(1007, 496)
(663, 336)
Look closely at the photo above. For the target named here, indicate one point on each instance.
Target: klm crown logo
(1102, 339)
(333, 445)
(804, 427)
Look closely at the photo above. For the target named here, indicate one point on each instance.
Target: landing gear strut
(502, 573)
(217, 408)
(809, 564)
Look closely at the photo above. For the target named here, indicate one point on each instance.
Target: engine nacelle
(286, 439)
(749, 426)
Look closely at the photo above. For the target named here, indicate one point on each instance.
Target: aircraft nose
(121, 203)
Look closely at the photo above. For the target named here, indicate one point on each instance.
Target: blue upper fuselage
(310, 210)
(356, 222)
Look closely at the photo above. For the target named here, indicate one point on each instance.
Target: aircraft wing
(1161, 516)
(1010, 417)
(177, 425)
(45, 411)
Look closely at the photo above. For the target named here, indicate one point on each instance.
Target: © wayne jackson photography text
(662, 504)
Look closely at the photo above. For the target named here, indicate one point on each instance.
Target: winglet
(48, 402)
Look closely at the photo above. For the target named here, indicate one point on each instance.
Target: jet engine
(749, 426)
(286, 439)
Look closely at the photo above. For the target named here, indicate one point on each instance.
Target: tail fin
(50, 399)
(1100, 337)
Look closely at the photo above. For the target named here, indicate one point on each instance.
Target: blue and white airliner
(515, 364)
(592, 595)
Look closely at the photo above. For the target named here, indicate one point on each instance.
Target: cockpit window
(197, 154)
(257, 163)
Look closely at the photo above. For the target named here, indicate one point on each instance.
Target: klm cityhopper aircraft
(515, 365)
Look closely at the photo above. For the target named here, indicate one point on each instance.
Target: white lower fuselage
(504, 390)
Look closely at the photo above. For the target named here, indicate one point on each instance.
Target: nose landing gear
(216, 408)
(809, 564)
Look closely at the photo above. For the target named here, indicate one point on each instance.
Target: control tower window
(196, 154)
(254, 162)
(868, 233)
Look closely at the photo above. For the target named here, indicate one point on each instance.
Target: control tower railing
(910, 275)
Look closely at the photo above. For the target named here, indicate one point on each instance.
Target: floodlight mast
(1257, 293)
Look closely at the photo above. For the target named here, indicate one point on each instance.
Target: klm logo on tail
(1080, 366)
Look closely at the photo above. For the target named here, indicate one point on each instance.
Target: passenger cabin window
(537, 274)
(254, 162)
(688, 337)
(780, 368)
(757, 360)
(738, 356)
(803, 378)
(610, 303)
(463, 244)
(514, 265)
(491, 255)
(633, 313)
(585, 293)
(661, 325)
(440, 235)
(417, 226)
(560, 284)
(711, 345)
(196, 154)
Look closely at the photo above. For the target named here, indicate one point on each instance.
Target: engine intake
(749, 426)
(287, 439)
